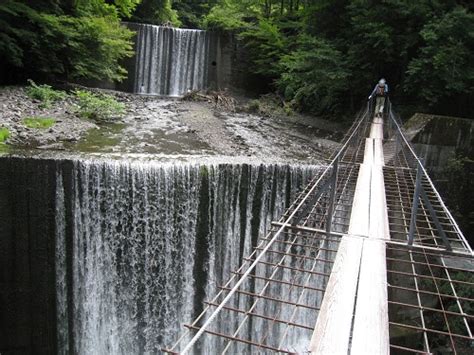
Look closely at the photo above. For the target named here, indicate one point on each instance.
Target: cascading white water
(150, 242)
(61, 269)
(171, 61)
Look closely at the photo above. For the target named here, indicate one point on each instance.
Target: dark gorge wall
(27, 256)
(113, 257)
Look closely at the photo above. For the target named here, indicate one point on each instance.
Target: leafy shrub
(313, 76)
(447, 56)
(265, 45)
(253, 106)
(226, 15)
(44, 93)
(39, 122)
(156, 12)
(95, 46)
(98, 106)
(89, 43)
(4, 134)
(269, 105)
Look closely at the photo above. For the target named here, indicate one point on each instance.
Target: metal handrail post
(397, 147)
(332, 198)
(436, 221)
(414, 209)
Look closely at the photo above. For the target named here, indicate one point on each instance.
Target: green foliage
(323, 55)
(4, 134)
(39, 122)
(126, 7)
(265, 46)
(104, 40)
(456, 324)
(459, 191)
(191, 12)
(87, 42)
(269, 105)
(313, 76)
(444, 66)
(253, 106)
(157, 12)
(98, 106)
(227, 16)
(44, 93)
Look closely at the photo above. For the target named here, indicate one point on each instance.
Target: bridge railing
(430, 222)
(326, 182)
(434, 266)
(426, 224)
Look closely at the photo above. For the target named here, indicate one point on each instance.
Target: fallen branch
(220, 99)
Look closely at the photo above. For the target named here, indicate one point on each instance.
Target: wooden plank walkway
(354, 312)
(350, 219)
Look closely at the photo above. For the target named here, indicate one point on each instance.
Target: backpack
(380, 90)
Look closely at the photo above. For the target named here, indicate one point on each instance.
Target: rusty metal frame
(430, 287)
(424, 297)
(425, 243)
(321, 207)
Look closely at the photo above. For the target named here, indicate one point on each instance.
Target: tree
(443, 68)
(156, 12)
(82, 40)
(265, 46)
(313, 76)
(192, 12)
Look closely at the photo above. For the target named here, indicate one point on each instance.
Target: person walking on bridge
(381, 92)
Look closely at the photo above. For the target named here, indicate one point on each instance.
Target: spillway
(171, 61)
(122, 253)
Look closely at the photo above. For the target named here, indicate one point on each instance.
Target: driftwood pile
(220, 99)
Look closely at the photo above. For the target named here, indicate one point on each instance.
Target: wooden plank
(376, 129)
(378, 152)
(378, 226)
(368, 151)
(378, 217)
(333, 327)
(359, 270)
(359, 222)
(371, 334)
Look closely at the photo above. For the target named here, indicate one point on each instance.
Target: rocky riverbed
(167, 126)
(16, 106)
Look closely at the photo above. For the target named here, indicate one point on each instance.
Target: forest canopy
(320, 56)
(65, 39)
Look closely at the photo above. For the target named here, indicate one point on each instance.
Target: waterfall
(171, 61)
(149, 243)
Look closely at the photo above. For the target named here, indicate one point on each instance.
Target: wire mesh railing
(430, 271)
(412, 197)
(430, 301)
(271, 302)
(280, 286)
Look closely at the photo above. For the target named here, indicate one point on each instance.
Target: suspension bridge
(367, 260)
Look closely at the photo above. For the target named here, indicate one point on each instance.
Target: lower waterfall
(140, 246)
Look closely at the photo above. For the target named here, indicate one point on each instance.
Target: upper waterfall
(171, 61)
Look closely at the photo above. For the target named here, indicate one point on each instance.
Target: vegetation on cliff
(324, 56)
(320, 56)
(66, 40)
